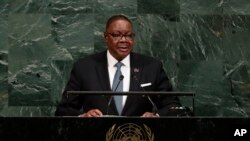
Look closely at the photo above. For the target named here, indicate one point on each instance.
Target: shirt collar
(112, 61)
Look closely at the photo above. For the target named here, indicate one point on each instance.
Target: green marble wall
(204, 46)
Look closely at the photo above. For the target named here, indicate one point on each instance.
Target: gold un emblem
(129, 132)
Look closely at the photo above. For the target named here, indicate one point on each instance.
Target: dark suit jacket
(91, 74)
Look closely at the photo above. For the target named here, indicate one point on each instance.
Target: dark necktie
(118, 87)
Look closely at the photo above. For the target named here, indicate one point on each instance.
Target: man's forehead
(118, 22)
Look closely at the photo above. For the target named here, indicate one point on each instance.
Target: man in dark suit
(98, 73)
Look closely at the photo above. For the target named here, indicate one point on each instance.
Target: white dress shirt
(125, 69)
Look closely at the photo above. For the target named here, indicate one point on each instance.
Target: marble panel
(65, 7)
(236, 38)
(201, 37)
(213, 90)
(115, 6)
(73, 34)
(3, 62)
(4, 6)
(157, 36)
(201, 7)
(59, 76)
(236, 7)
(30, 51)
(28, 6)
(169, 7)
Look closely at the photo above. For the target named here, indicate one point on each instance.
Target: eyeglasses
(119, 36)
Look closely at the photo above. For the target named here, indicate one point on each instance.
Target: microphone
(155, 109)
(110, 99)
(120, 79)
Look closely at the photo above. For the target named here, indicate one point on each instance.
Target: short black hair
(117, 17)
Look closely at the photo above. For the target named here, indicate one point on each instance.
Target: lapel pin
(136, 70)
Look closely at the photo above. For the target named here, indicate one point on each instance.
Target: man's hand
(92, 113)
(149, 114)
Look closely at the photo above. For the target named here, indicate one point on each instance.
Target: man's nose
(123, 38)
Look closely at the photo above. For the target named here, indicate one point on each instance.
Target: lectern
(179, 111)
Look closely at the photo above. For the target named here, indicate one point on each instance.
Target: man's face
(119, 38)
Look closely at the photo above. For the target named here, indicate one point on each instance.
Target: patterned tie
(118, 87)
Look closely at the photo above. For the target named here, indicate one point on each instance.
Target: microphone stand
(155, 109)
(109, 102)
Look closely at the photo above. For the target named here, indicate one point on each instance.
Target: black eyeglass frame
(119, 36)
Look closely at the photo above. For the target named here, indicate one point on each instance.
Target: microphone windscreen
(121, 77)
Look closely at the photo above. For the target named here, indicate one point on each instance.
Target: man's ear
(105, 36)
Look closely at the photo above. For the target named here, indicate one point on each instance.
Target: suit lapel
(135, 72)
(102, 72)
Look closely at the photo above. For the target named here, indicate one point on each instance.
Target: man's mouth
(123, 48)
